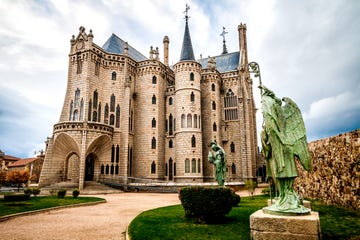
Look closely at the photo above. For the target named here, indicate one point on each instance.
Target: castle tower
(188, 137)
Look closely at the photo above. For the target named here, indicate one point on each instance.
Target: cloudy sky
(307, 50)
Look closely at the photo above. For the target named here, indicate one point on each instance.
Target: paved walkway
(101, 222)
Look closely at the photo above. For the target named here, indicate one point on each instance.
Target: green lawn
(35, 203)
(170, 223)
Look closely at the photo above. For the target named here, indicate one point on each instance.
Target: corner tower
(188, 135)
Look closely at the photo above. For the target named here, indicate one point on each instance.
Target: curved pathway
(101, 222)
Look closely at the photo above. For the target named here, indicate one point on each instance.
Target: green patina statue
(283, 141)
(217, 157)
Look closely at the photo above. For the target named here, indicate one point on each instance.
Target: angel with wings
(283, 141)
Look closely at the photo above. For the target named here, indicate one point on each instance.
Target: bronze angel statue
(283, 141)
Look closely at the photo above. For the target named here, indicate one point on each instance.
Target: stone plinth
(275, 227)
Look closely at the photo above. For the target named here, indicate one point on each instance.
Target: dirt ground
(101, 222)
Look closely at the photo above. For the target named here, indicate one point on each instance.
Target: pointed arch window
(199, 165)
(112, 153)
(153, 167)
(95, 98)
(183, 119)
(117, 116)
(170, 101)
(153, 123)
(153, 100)
(154, 80)
(171, 124)
(90, 111)
(193, 165)
(79, 64)
(102, 169)
(233, 168)
(189, 120)
(81, 109)
(191, 76)
(99, 112)
(112, 119)
(112, 169)
(192, 97)
(77, 98)
(71, 109)
(75, 116)
(232, 147)
(187, 165)
(213, 105)
(195, 121)
(107, 169)
(153, 143)
(94, 117)
(113, 76)
(193, 141)
(112, 103)
(117, 155)
(214, 127)
(106, 114)
(117, 169)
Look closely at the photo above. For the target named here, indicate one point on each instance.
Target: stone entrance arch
(90, 167)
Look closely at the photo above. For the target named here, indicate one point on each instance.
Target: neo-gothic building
(126, 115)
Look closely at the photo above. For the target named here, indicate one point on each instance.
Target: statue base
(266, 226)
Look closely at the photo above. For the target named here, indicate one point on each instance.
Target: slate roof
(116, 45)
(187, 52)
(224, 63)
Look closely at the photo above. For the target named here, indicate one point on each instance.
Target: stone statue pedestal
(276, 227)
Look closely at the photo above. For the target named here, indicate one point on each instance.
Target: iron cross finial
(187, 8)
(223, 34)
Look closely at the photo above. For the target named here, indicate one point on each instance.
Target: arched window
(193, 165)
(214, 127)
(99, 112)
(187, 165)
(79, 64)
(153, 100)
(189, 121)
(232, 147)
(192, 97)
(191, 76)
(112, 120)
(170, 101)
(112, 169)
(77, 98)
(95, 98)
(154, 79)
(171, 144)
(183, 119)
(75, 115)
(117, 116)
(94, 117)
(106, 114)
(153, 123)
(117, 169)
(170, 124)
(117, 157)
(112, 103)
(199, 165)
(233, 169)
(193, 141)
(113, 76)
(153, 168)
(166, 169)
(213, 87)
(107, 169)
(81, 110)
(90, 111)
(112, 153)
(213, 105)
(102, 169)
(153, 143)
(195, 121)
(199, 121)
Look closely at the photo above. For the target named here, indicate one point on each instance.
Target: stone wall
(335, 177)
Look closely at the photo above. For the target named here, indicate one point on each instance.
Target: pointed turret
(187, 52)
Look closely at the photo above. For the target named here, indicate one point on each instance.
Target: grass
(170, 223)
(35, 203)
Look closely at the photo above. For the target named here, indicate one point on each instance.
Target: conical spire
(187, 52)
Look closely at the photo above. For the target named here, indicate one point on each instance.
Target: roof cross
(223, 34)
(187, 8)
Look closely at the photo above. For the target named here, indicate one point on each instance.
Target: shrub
(75, 193)
(207, 204)
(27, 191)
(53, 192)
(250, 185)
(16, 197)
(61, 193)
(35, 191)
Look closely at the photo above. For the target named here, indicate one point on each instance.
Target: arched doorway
(89, 167)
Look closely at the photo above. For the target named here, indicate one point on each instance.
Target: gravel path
(99, 222)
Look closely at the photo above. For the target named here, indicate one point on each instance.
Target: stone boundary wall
(335, 177)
